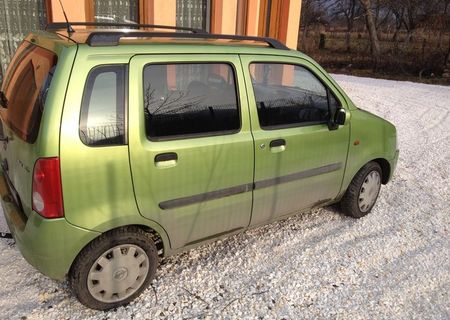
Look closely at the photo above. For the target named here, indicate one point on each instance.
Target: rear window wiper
(3, 100)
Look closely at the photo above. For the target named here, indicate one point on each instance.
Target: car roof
(204, 42)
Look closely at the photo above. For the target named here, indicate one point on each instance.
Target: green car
(121, 147)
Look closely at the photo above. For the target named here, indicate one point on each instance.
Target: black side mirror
(339, 117)
(337, 120)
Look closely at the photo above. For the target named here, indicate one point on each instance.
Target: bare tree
(312, 14)
(383, 13)
(398, 10)
(371, 26)
(436, 19)
(413, 13)
(350, 10)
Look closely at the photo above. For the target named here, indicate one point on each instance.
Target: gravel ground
(392, 264)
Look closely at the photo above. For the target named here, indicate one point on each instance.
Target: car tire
(363, 191)
(114, 268)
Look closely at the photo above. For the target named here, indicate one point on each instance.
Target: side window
(102, 119)
(288, 95)
(333, 103)
(190, 100)
(28, 78)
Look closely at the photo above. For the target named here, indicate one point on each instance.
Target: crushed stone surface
(392, 264)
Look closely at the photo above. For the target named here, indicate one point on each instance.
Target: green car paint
(49, 245)
(219, 184)
(377, 141)
(308, 148)
(204, 165)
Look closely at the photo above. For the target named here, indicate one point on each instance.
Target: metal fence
(17, 19)
(102, 135)
(123, 11)
(193, 13)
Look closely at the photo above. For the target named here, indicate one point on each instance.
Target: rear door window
(190, 100)
(25, 89)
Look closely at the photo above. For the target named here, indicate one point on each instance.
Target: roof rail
(105, 38)
(65, 25)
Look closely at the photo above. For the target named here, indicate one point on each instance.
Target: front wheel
(114, 268)
(362, 193)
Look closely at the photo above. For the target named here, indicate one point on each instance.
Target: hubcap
(118, 273)
(369, 191)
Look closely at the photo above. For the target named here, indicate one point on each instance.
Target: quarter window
(102, 120)
(189, 100)
(288, 95)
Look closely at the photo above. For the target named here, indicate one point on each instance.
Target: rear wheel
(363, 191)
(114, 268)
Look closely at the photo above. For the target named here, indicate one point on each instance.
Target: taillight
(47, 194)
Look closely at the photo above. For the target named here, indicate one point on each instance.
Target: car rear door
(24, 92)
(299, 160)
(191, 148)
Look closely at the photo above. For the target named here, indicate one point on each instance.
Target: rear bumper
(50, 245)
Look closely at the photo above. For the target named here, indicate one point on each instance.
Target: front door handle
(277, 145)
(166, 160)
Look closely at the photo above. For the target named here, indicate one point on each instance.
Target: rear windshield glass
(25, 89)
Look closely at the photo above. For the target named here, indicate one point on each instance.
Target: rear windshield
(25, 88)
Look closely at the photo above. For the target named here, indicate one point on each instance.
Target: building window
(193, 14)
(19, 17)
(121, 11)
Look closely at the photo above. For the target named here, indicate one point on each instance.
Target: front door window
(288, 95)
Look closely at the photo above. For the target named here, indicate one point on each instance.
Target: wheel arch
(159, 236)
(385, 169)
(147, 225)
(159, 242)
(352, 170)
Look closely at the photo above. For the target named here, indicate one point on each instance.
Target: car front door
(191, 148)
(300, 157)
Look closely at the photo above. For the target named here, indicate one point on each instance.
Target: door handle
(278, 145)
(166, 160)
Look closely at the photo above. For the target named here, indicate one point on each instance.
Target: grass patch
(420, 59)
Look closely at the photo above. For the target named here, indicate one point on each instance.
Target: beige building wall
(284, 17)
(162, 12)
(76, 10)
(252, 17)
(223, 16)
(295, 7)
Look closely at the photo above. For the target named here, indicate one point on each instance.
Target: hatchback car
(120, 147)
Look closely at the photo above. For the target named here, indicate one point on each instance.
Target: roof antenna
(69, 26)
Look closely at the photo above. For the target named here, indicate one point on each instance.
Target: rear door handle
(278, 145)
(166, 160)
